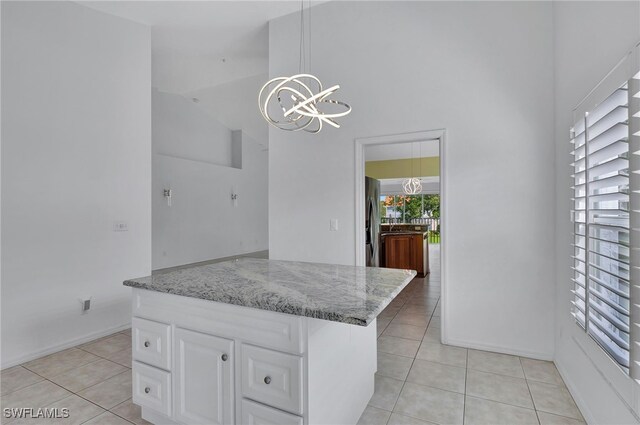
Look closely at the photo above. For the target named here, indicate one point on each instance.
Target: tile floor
(421, 381)
(92, 380)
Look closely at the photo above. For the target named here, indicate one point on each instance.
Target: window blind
(602, 242)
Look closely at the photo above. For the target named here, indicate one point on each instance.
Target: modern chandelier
(413, 185)
(301, 98)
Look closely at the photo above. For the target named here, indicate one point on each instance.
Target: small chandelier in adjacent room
(413, 185)
(301, 97)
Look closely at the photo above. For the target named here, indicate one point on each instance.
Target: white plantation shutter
(634, 218)
(604, 263)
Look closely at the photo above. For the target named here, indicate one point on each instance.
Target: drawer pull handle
(147, 390)
(147, 344)
(267, 380)
(224, 357)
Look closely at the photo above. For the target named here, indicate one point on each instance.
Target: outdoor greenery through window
(409, 208)
(420, 209)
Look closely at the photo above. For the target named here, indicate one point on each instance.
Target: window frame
(627, 71)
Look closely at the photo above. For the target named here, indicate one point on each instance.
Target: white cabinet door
(203, 384)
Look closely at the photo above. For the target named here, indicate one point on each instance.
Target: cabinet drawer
(151, 342)
(152, 388)
(272, 378)
(258, 414)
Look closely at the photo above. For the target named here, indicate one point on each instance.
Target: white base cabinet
(199, 362)
(203, 378)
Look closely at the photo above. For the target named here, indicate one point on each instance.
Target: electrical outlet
(86, 304)
(120, 226)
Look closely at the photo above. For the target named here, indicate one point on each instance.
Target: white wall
(235, 104)
(192, 156)
(402, 150)
(483, 71)
(590, 38)
(183, 128)
(76, 147)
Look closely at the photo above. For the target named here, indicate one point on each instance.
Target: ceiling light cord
(301, 58)
(413, 185)
(309, 37)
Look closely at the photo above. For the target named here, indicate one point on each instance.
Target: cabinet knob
(147, 344)
(267, 380)
(147, 390)
(224, 357)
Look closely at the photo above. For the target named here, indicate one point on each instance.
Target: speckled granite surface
(354, 295)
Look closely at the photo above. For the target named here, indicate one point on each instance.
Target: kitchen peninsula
(258, 341)
(405, 249)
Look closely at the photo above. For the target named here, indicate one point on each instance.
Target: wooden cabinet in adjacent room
(405, 251)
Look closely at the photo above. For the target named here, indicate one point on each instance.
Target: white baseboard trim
(573, 389)
(498, 349)
(63, 346)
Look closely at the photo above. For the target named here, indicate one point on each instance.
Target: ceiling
(197, 45)
(402, 150)
(216, 52)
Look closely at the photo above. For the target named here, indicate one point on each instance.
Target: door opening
(397, 229)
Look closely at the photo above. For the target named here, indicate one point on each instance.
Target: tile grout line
(404, 382)
(529, 389)
(120, 416)
(412, 361)
(466, 376)
(563, 386)
(72, 393)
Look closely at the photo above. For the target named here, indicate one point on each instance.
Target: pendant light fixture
(413, 185)
(300, 97)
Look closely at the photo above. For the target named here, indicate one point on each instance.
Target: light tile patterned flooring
(92, 380)
(421, 381)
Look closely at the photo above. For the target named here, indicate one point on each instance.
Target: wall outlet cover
(120, 226)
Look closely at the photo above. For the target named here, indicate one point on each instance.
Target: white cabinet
(272, 378)
(151, 342)
(152, 388)
(203, 384)
(259, 414)
(199, 362)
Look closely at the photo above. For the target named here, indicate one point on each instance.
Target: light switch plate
(333, 224)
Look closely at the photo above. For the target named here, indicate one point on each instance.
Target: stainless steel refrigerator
(372, 220)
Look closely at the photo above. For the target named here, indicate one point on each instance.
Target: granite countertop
(348, 294)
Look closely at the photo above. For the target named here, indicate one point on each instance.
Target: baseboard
(498, 349)
(582, 405)
(59, 347)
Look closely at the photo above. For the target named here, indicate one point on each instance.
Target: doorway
(398, 202)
